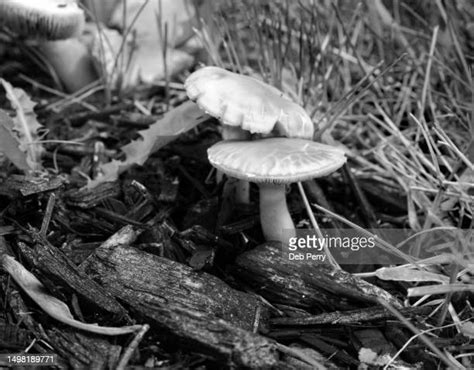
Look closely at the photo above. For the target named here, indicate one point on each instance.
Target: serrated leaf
(25, 124)
(9, 144)
(51, 305)
(163, 131)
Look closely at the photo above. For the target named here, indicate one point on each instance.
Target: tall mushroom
(55, 23)
(272, 163)
(245, 105)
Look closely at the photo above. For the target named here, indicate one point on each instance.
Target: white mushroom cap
(248, 103)
(143, 63)
(143, 18)
(49, 19)
(275, 160)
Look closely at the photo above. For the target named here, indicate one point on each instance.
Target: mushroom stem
(234, 133)
(274, 215)
(101, 10)
(71, 61)
(240, 188)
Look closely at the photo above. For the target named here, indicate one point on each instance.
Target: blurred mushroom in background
(55, 25)
(100, 10)
(144, 35)
(126, 62)
(151, 19)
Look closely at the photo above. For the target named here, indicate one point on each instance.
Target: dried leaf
(9, 144)
(369, 356)
(51, 305)
(25, 124)
(165, 130)
(467, 328)
(409, 274)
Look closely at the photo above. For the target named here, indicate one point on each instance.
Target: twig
(385, 245)
(131, 347)
(300, 355)
(449, 363)
(47, 215)
(366, 207)
(353, 317)
(331, 259)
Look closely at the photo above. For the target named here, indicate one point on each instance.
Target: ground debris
(304, 286)
(16, 185)
(354, 317)
(82, 350)
(88, 198)
(196, 310)
(53, 263)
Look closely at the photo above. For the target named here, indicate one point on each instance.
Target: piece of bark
(412, 354)
(80, 118)
(294, 363)
(335, 353)
(55, 265)
(16, 185)
(88, 198)
(77, 349)
(194, 310)
(373, 339)
(304, 285)
(14, 338)
(354, 317)
(83, 351)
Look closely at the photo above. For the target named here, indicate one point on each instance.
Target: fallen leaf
(9, 144)
(165, 130)
(369, 356)
(25, 125)
(51, 305)
(467, 328)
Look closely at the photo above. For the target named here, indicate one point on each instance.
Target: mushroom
(143, 18)
(175, 24)
(272, 163)
(55, 23)
(246, 105)
(142, 62)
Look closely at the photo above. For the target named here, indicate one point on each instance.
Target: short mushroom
(272, 163)
(55, 23)
(246, 105)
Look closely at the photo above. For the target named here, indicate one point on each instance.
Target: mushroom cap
(275, 160)
(246, 102)
(143, 17)
(49, 19)
(144, 63)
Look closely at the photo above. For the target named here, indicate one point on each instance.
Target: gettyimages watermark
(378, 246)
